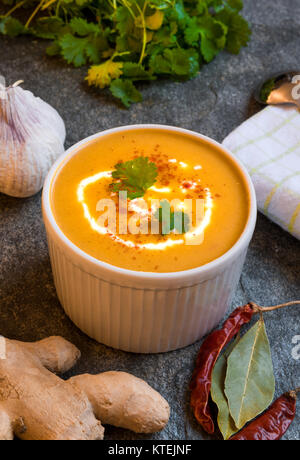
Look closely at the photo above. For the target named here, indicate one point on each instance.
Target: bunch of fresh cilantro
(124, 41)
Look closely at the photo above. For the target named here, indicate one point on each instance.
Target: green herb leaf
(11, 27)
(238, 30)
(179, 13)
(180, 222)
(170, 220)
(73, 49)
(266, 89)
(136, 71)
(183, 63)
(79, 51)
(236, 5)
(49, 27)
(82, 2)
(134, 177)
(225, 421)
(210, 33)
(83, 28)
(125, 91)
(250, 383)
(125, 20)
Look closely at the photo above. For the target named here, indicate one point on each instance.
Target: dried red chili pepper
(273, 423)
(209, 353)
(206, 360)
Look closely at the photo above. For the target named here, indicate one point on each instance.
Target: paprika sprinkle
(273, 423)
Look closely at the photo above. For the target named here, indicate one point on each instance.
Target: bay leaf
(250, 382)
(225, 421)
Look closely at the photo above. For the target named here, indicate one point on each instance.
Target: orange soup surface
(195, 177)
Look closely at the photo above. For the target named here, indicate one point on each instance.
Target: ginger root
(36, 404)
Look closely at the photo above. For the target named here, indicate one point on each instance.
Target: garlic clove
(32, 136)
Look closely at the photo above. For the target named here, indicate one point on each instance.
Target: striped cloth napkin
(268, 144)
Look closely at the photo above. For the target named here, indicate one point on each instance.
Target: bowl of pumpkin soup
(148, 228)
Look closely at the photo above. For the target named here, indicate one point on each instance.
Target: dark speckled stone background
(217, 101)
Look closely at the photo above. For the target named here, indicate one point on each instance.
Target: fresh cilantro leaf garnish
(134, 177)
(125, 41)
(171, 220)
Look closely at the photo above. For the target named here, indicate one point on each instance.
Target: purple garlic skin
(32, 136)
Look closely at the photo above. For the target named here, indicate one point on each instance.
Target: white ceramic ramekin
(138, 311)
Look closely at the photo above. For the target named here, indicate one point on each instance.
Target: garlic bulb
(32, 136)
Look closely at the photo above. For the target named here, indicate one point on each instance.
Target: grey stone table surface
(214, 103)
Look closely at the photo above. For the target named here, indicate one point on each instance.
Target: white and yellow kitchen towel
(268, 144)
